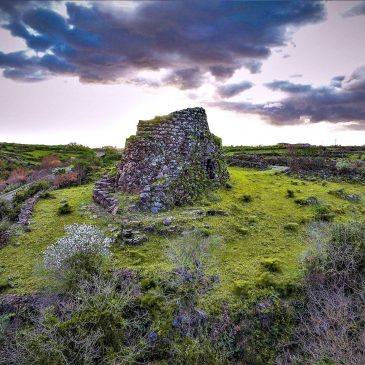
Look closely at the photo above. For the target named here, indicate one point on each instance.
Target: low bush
(5, 284)
(330, 328)
(228, 185)
(291, 226)
(4, 232)
(242, 287)
(272, 264)
(246, 198)
(64, 208)
(78, 255)
(323, 213)
(290, 193)
(242, 230)
(5, 209)
(312, 200)
(22, 195)
(66, 180)
(101, 323)
(252, 219)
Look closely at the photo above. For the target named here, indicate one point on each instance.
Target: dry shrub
(66, 180)
(18, 175)
(50, 161)
(331, 328)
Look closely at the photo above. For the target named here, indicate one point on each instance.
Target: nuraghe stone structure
(171, 160)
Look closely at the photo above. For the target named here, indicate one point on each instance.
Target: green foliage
(312, 200)
(246, 198)
(77, 256)
(5, 209)
(242, 288)
(217, 140)
(291, 226)
(323, 213)
(64, 208)
(5, 284)
(290, 193)
(22, 195)
(272, 264)
(228, 185)
(101, 323)
(200, 350)
(242, 230)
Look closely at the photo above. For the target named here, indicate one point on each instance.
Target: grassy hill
(245, 275)
(262, 222)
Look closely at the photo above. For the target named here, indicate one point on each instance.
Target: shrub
(323, 213)
(312, 200)
(77, 255)
(22, 195)
(101, 323)
(66, 180)
(246, 198)
(290, 193)
(242, 287)
(65, 208)
(291, 226)
(228, 185)
(252, 219)
(17, 176)
(4, 209)
(4, 232)
(243, 230)
(272, 264)
(330, 327)
(50, 161)
(5, 284)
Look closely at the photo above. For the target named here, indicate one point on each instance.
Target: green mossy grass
(249, 233)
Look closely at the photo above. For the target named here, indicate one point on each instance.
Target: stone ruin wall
(171, 160)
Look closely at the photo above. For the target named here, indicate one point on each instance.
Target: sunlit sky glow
(266, 72)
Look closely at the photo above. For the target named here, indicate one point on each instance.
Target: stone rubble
(27, 209)
(102, 194)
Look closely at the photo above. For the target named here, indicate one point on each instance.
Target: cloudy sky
(266, 72)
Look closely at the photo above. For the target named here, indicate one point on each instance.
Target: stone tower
(171, 160)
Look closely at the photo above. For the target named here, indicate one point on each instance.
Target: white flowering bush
(80, 251)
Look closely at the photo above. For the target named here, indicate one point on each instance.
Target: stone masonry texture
(171, 161)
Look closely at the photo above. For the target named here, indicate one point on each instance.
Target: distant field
(25, 156)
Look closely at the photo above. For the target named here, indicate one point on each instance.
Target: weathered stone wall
(102, 194)
(172, 160)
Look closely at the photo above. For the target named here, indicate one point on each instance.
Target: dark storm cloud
(358, 9)
(343, 102)
(189, 39)
(230, 90)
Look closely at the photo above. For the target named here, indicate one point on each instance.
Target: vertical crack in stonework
(172, 160)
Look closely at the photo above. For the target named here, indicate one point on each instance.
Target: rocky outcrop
(102, 194)
(171, 161)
